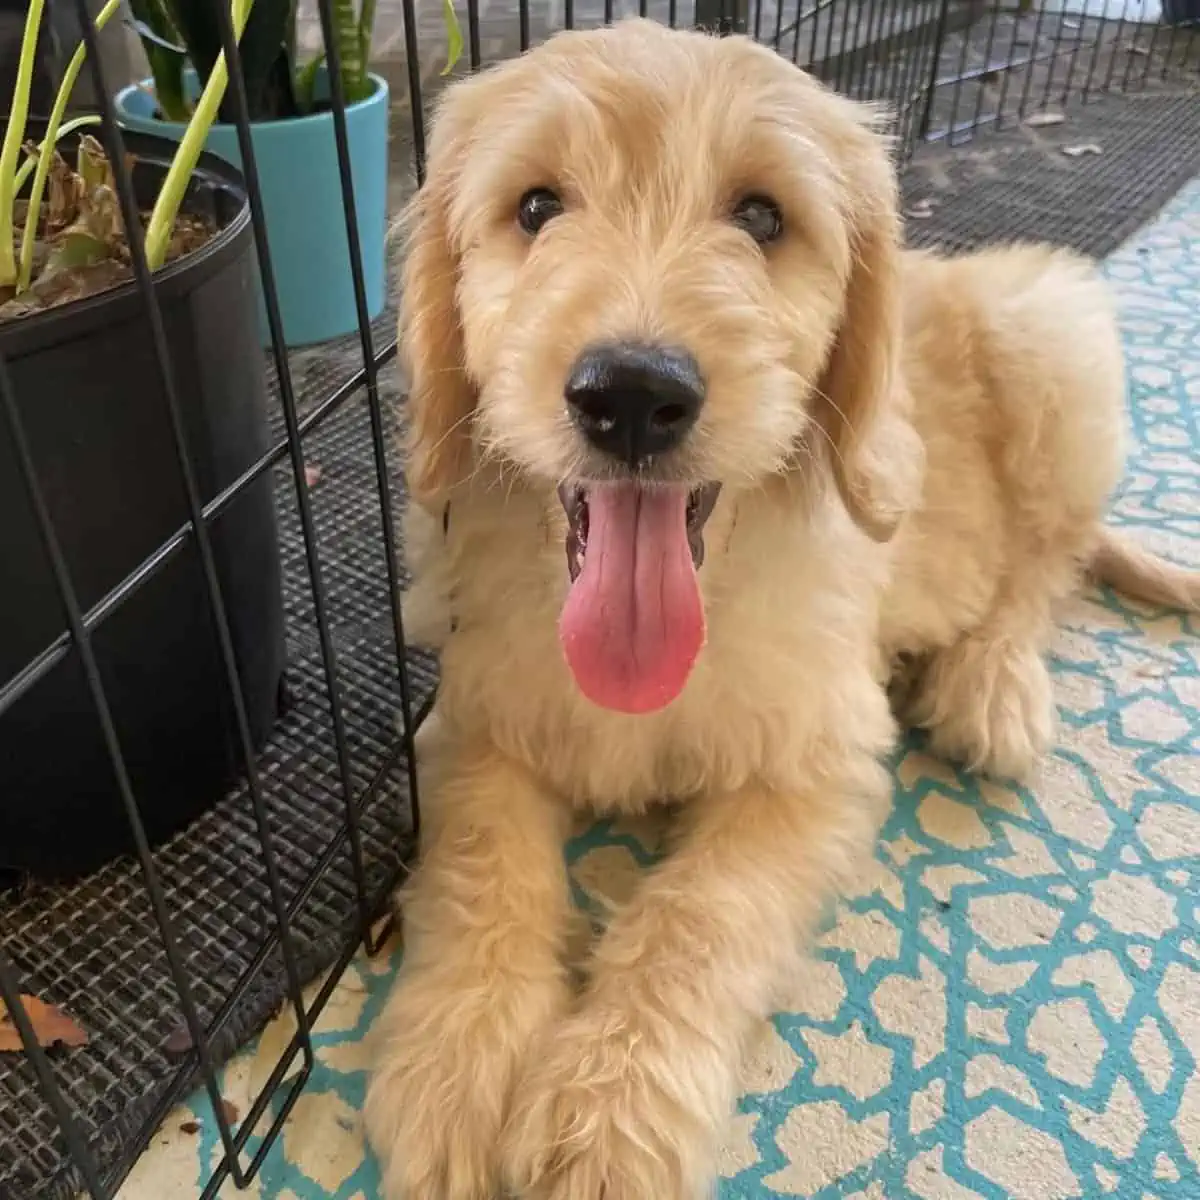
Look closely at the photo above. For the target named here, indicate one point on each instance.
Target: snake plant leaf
(165, 53)
(196, 21)
(263, 50)
(147, 34)
(265, 63)
(306, 83)
(366, 29)
(289, 35)
(356, 83)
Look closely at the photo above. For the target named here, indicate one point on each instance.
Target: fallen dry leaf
(1039, 120)
(229, 1111)
(1079, 151)
(178, 1043)
(312, 474)
(51, 1026)
(189, 1127)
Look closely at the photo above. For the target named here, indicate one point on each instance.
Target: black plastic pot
(89, 391)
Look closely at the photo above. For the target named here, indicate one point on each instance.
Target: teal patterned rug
(1009, 1008)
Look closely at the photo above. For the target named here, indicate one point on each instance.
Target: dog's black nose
(632, 400)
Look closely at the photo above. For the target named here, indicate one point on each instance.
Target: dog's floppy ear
(441, 396)
(876, 454)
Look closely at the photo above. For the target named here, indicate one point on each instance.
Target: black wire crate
(170, 956)
(171, 948)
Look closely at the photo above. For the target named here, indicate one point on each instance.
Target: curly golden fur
(915, 455)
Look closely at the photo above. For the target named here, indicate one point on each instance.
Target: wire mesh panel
(169, 959)
(944, 68)
(1018, 58)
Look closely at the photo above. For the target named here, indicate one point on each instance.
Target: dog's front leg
(628, 1098)
(484, 918)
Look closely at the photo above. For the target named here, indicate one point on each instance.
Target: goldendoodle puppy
(697, 454)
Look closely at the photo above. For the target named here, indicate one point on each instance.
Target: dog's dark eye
(538, 206)
(760, 217)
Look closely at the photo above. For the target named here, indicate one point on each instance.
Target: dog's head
(647, 265)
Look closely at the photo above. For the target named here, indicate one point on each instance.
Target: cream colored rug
(1009, 1007)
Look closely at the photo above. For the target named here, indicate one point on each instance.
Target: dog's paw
(449, 1053)
(595, 1117)
(988, 705)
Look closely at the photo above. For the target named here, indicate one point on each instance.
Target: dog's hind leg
(987, 704)
(987, 699)
(1048, 355)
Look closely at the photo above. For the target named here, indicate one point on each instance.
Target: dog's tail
(1142, 575)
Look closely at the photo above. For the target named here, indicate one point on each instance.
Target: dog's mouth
(633, 623)
(574, 497)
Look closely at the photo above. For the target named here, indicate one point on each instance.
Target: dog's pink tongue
(633, 622)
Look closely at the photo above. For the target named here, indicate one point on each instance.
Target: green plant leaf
(56, 129)
(454, 37)
(289, 36)
(14, 138)
(187, 154)
(306, 83)
(356, 84)
(148, 35)
(29, 166)
(199, 32)
(153, 20)
(165, 52)
(266, 68)
(366, 30)
(263, 50)
(167, 70)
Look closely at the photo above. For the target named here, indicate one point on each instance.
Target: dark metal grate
(1020, 184)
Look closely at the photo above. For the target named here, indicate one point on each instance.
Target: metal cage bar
(378, 439)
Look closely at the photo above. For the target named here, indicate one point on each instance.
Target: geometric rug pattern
(1008, 1007)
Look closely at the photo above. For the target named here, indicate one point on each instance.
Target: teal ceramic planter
(302, 200)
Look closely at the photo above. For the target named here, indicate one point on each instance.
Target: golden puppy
(675, 513)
